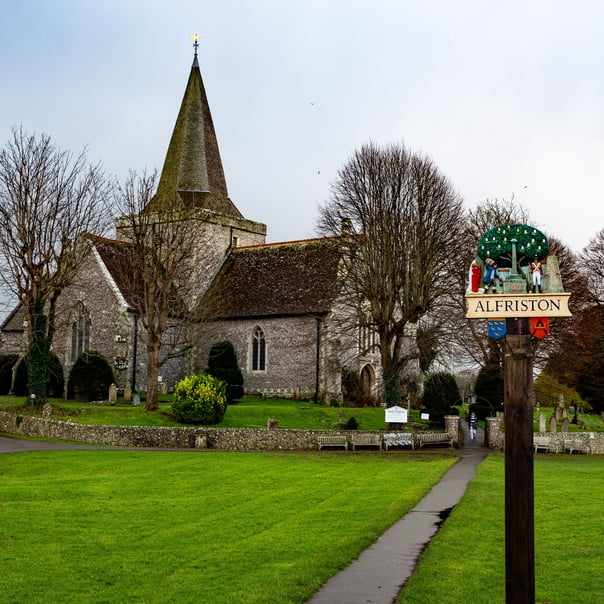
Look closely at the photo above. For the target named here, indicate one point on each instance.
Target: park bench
(366, 440)
(573, 443)
(545, 442)
(433, 438)
(398, 439)
(333, 441)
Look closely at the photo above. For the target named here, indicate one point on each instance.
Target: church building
(280, 304)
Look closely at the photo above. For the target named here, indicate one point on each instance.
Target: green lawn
(249, 413)
(465, 561)
(199, 527)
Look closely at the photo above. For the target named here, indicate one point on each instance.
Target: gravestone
(137, 400)
(564, 414)
(542, 427)
(553, 424)
(557, 414)
(565, 424)
(273, 424)
(128, 394)
(47, 410)
(112, 394)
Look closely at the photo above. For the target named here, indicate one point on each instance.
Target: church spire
(192, 175)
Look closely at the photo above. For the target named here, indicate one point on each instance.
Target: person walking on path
(473, 425)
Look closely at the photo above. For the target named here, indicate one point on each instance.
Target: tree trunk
(152, 374)
(37, 355)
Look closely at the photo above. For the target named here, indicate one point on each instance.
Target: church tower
(193, 168)
(192, 192)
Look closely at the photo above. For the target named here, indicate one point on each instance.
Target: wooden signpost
(516, 286)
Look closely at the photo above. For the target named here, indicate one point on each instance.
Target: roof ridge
(102, 239)
(286, 243)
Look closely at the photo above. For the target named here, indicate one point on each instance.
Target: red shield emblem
(539, 327)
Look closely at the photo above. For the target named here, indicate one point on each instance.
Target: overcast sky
(506, 97)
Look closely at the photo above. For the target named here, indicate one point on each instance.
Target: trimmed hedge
(223, 364)
(90, 377)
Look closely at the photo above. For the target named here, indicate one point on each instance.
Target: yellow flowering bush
(199, 399)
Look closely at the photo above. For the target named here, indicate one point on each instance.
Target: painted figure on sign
(536, 272)
(491, 276)
(474, 277)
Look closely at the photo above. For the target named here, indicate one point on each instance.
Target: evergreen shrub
(488, 390)
(200, 399)
(352, 386)
(55, 382)
(351, 424)
(90, 377)
(7, 362)
(440, 394)
(20, 384)
(222, 364)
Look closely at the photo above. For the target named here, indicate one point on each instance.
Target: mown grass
(465, 562)
(205, 527)
(249, 413)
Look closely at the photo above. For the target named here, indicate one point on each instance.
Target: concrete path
(378, 575)
(9, 444)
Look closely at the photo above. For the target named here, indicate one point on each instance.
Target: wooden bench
(366, 440)
(433, 438)
(572, 443)
(398, 439)
(545, 442)
(333, 441)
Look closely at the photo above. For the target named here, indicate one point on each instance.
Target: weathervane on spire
(195, 38)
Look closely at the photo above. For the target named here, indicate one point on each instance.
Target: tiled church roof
(293, 278)
(117, 258)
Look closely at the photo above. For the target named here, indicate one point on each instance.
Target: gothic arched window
(80, 331)
(258, 350)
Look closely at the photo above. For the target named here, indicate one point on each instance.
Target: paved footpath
(378, 575)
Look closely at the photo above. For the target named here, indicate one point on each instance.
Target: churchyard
(254, 412)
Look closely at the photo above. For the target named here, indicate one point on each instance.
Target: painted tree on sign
(498, 243)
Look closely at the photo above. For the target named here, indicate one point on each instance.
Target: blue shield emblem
(496, 328)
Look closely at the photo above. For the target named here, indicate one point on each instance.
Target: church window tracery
(80, 331)
(258, 350)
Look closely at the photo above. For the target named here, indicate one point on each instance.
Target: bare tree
(156, 257)
(592, 258)
(411, 220)
(48, 199)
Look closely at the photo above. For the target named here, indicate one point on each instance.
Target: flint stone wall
(593, 441)
(232, 439)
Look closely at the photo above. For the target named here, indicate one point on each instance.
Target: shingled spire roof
(192, 175)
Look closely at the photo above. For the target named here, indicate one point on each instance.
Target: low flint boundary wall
(233, 439)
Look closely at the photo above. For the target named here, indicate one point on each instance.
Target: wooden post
(519, 484)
